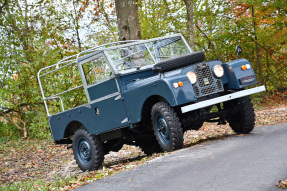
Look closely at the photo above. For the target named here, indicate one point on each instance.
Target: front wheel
(242, 122)
(167, 127)
(87, 149)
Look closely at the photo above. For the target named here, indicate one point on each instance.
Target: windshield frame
(140, 42)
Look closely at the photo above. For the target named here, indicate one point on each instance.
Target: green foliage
(221, 25)
(259, 27)
(160, 18)
(30, 41)
(40, 33)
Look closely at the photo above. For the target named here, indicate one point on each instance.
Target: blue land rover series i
(145, 93)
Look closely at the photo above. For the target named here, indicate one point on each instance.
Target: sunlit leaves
(31, 41)
(159, 18)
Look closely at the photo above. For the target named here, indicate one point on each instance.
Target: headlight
(248, 66)
(218, 71)
(192, 77)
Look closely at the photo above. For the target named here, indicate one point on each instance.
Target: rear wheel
(87, 149)
(167, 127)
(242, 122)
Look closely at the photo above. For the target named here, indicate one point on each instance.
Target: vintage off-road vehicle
(145, 93)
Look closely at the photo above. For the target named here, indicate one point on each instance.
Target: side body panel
(103, 89)
(107, 119)
(60, 121)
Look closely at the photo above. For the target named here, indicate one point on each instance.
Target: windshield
(147, 53)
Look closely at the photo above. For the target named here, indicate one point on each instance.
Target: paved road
(253, 162)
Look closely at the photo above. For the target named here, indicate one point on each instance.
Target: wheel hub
(162, 129)
(84, 150)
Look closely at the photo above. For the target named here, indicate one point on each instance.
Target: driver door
(103, 93)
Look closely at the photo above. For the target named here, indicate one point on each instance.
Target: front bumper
(221, 99)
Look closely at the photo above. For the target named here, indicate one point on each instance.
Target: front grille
(204, 73)
(208, 90)
(206, 83)
(196, 90)
(219, 85)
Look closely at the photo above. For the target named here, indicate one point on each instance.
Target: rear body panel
(109, 117)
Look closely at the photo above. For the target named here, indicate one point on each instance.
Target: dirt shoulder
(31, 161)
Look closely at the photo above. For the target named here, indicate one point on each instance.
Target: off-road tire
(244, 120)
(178, 62)
(95, 154)
(162, 112)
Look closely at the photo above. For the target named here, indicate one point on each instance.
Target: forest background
(38, 33)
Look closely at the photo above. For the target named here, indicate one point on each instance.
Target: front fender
(236, 75)
(136, 94)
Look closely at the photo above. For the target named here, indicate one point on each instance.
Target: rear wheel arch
(72, 127)
(69, 132)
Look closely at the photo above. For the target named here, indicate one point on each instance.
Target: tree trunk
(128, 20)
(190, 23)
(77, 27)
(257, 49)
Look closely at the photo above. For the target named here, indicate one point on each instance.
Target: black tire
(178, 62)
(242, 122)
(87, 149)
(166, 126)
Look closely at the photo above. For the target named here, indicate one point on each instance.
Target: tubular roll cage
(67, 62)
(75, 59)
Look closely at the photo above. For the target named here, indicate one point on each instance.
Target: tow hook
(69, 147)
(222, 120)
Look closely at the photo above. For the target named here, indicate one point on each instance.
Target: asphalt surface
(252, 162)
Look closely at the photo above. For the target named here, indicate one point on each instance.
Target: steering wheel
(128, 65)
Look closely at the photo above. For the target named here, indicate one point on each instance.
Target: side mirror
(238, 50)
